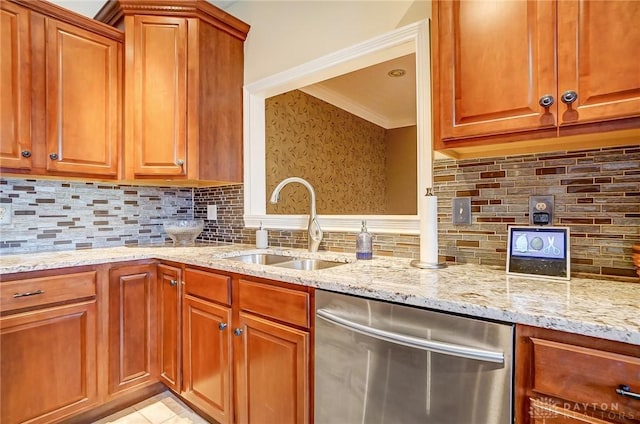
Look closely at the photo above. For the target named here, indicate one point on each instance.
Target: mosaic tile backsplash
(56, 215)
(596, 193)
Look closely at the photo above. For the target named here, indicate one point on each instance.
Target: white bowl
(184, 232)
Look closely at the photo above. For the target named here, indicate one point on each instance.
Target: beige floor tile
(134, 418)
(157, 412)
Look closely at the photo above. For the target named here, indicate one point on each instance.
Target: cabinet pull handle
(53, 156)
(222, 326)
(26, 154)
(25, 294)
(546, 101)
(237, 331)
(625, 390)
(173, 283)
(569, 97)
(179, 162)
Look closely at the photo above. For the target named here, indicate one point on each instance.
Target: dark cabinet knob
(222, 326)
(237, 331)
(25, 154)
(569, 97)
(180, 162)
(546, 100)
(173, 283)
(53, 156)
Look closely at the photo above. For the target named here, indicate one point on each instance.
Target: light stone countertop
(599, 308)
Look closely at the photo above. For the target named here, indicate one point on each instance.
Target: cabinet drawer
(283, 304)
(547, 412)
(34, 292)
(207, 285)
(582, 375)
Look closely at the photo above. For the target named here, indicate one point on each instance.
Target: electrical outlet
(5, 214)
(212, 212)
(541, 210)
(461, 210)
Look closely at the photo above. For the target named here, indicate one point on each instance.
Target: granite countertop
(598, 308)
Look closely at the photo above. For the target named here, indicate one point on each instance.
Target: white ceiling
(372, 94)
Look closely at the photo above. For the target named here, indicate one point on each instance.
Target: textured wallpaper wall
(340, 154)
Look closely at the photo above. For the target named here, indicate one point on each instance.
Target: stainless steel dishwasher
(379, 362)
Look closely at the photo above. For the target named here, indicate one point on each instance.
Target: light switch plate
(461, 210)
(212, 212)
(5, 213)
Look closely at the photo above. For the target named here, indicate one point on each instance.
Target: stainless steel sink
(281, 261)
(308, 264)
(261, 258)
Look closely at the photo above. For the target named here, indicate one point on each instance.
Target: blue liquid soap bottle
(364, 245)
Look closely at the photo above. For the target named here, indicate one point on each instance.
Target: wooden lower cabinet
(272, 371)
(48, 345)
(568, 378)
(169, 307)
(48, 363)
(207, 358)
(132, 321)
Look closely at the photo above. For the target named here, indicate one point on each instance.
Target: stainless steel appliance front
(378, 362)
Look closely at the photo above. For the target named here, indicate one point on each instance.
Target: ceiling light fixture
(396, 73)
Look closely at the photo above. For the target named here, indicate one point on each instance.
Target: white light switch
(212, 212)
(5, 214)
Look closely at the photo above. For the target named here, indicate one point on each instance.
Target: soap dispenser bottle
(364, 244)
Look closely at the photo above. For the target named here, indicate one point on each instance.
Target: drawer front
(34, 292)
(280, 303)
(546, 412)
(207, 285)
(584, 375)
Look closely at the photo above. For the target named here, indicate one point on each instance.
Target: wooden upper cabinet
(496, 60)
(61, 78)
(157, 78)
(504, 72)
(598, 46)
(15, 87)
(183, 76)
(83, 74)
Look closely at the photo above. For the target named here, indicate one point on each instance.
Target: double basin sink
(282, 261)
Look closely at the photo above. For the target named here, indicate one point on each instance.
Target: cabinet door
(156, 75)
(598, 59)
(15, 87)
(132, 327)
(48, 363)
(169, 278)
(272, 372)
(494, 60)
(83, 101)
(207, 361)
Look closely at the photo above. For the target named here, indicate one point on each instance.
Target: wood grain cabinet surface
(48, 343)
(169, 323)
(61, 92)
(519, 71)
(206, 343)
(567, 378)
(133, 327)
(183, 75)
(272, 349)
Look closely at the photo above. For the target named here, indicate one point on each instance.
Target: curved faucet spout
(313, 228)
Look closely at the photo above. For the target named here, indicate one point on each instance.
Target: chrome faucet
(313, 228)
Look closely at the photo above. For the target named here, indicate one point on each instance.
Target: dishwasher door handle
(414, 342)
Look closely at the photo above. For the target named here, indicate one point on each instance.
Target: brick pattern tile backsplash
(56, 215)
(596, 194)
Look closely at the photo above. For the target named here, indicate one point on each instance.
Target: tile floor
(163, 408)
